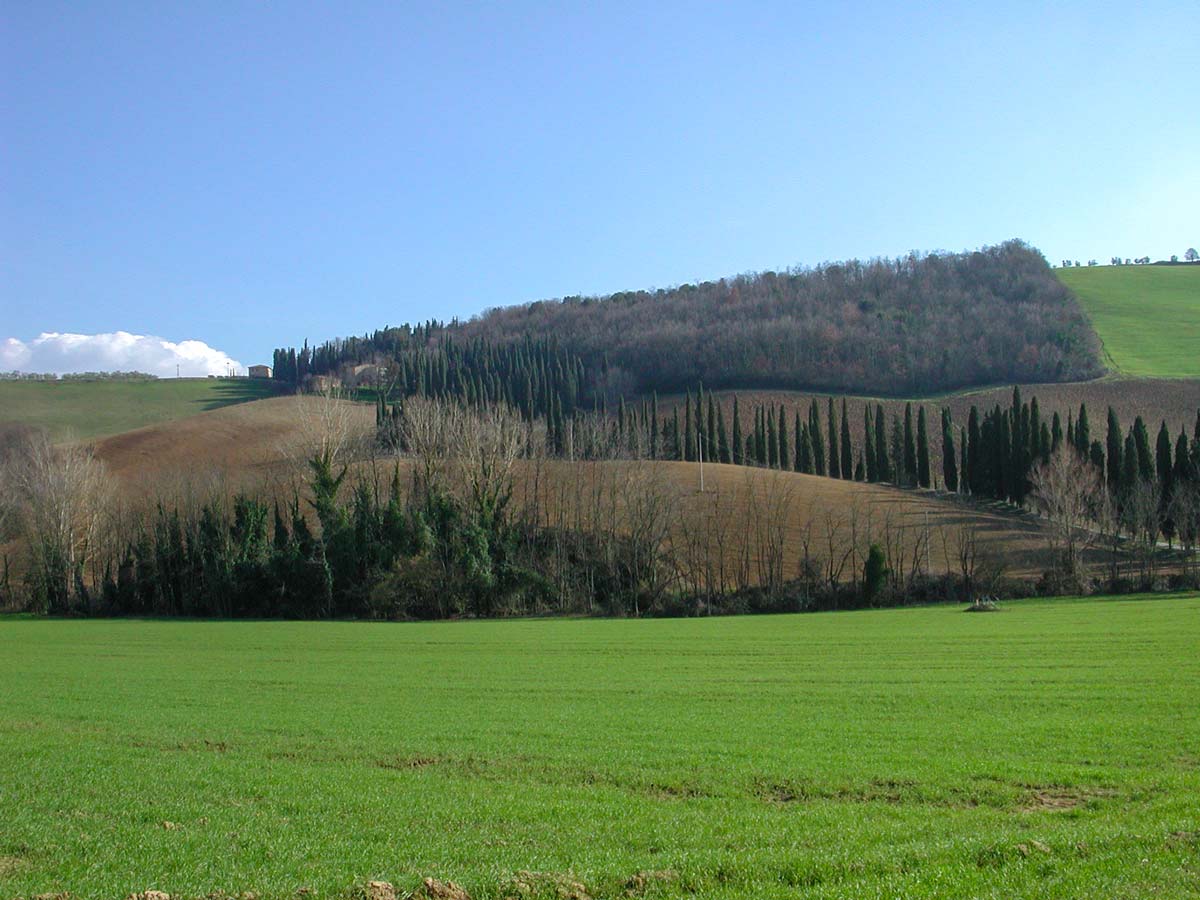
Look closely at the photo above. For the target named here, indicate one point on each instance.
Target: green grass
(1147, 316)
(1049, 750)
(93, 409)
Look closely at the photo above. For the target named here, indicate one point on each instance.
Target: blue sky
(249, 175)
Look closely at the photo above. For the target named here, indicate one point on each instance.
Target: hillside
(1148, 317)
(260, 446)
(919, 324)
(91, 409)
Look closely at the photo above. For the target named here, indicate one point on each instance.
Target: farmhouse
(260, 371)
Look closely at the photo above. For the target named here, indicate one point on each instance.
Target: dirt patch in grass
(545, 886)
(10, 864)
(408, 762)
(639, 883)
(1055, 798)
(878, 790)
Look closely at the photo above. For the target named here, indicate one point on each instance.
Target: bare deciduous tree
(1069, 492)
(63, 493)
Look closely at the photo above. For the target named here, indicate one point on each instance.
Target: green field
(1147, 316)
(1049, 750)
(91, 409)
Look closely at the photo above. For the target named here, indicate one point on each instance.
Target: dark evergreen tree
(798, 444)
(1129, 465)
(738, 457)
(924, 478)
(723, 452)
(772, 441)
(815, 435)
(1164, 465)
(949, 459)
(909, 476)
(1145, 459)
(883, 466)
(784, 456)
(1114, 445)
(973, 470)
(847, 448)
(1083, 435)
(869, 444)
(835, 456)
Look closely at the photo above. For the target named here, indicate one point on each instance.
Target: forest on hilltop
(897, 327)
(887, 326)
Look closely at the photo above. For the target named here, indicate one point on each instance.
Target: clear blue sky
(253, 174)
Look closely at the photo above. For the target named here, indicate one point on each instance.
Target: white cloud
(118, 351)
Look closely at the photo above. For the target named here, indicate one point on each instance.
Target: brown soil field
(746, 518)
(243, 445)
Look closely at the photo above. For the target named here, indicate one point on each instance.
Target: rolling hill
(91, 409)
(259, 446)
(1148, 317)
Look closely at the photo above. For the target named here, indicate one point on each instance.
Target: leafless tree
(63, 493)
(1185, 511)
(1069, 492)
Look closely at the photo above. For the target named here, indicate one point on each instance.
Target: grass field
(92, 409)
(1049, 750)
(1147, 316)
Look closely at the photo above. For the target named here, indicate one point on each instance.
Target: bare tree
(1069, 492)
(63, 493)
(1185, 511)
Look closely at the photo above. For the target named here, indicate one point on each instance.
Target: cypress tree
(676, 438)
(972, 471)
(883, 466)
(760, 438)
(896, 451)
(1141, 441)
(784, 456)
(688, 434)
(807, 463)
(654, 426)
(1163, 462)
(1096, 455)
(1114, 445)
(714, 450)
(869, 444)
(910, 448)
(798, 444)
(818, 442)
(847, 449)
(835, 456)
(772, 442)
(859, 472)
(1083, 432)
(1036, 450)
(1182, 473)
(923, 474)
(722, 437)
(949, 461)
(1071, 441)
(738, 458)
(962, 460)
(1129, 465)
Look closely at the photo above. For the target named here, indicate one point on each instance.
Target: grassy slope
(93, 409)
(890, 753)
(1147, 316)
